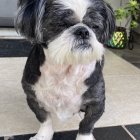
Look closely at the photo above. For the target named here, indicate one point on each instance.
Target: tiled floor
(134, 130)
(118, 73)
(132, 56)
(108, 133)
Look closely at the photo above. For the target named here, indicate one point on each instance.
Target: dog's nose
(82, 33)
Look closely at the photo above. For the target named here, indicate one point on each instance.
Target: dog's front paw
(39, 138)
(36, 138)
(85, 137)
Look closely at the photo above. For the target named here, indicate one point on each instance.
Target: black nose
(82, 33)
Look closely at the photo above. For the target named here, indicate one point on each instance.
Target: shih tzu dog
(63, 73)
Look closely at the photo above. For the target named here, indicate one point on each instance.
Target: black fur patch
(35, 60)
(100, 18)
(30, 77)
(93, 100)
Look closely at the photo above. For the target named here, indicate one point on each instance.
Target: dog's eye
(95, 27)
(67, 13)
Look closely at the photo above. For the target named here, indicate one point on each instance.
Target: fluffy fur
(85, 137)
(46, 131)
(63, 73)
(78, 6)
(63, 49)
(61, 91)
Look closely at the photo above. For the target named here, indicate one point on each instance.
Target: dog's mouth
(82, 45)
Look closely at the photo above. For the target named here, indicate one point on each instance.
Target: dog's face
(74, 31)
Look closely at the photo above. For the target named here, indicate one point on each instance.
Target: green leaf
(130, 10)
(134, 24)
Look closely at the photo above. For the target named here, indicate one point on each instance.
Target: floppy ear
(25, 21)
(110, 23)
(29, 18)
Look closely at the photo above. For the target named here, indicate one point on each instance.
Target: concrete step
(9, 33)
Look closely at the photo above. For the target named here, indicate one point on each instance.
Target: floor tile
(14, 48)
(132, 56)
(137, 65)
(135, 130)
(70, 135)
(22, 137)
(111, 133)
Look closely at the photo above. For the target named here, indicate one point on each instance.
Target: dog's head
(74, 31)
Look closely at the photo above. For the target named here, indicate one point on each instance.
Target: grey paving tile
(109, 133)
(14, 48)
(132, 56)
(137, 65)
(21, 137)
(134, 130)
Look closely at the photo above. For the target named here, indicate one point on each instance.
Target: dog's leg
(92, 114)
(46, 130)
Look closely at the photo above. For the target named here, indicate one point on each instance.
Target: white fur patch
(45, 132)
(85, 137)
(78, 6)
(59, 88)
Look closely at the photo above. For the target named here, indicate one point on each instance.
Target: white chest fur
(59, 88)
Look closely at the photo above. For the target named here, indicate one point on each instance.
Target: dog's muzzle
(82, 38)
(82, 33)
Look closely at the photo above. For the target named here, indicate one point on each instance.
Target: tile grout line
(128, 132)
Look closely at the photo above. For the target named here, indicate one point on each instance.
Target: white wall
(8, 8)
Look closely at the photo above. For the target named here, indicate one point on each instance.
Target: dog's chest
(60, 88)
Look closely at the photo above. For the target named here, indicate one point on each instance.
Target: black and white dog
(63, 74)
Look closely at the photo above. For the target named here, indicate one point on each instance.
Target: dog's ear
(110, 23)
(25, 21)
(29, 18)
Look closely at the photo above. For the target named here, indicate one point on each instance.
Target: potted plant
(130, 12)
